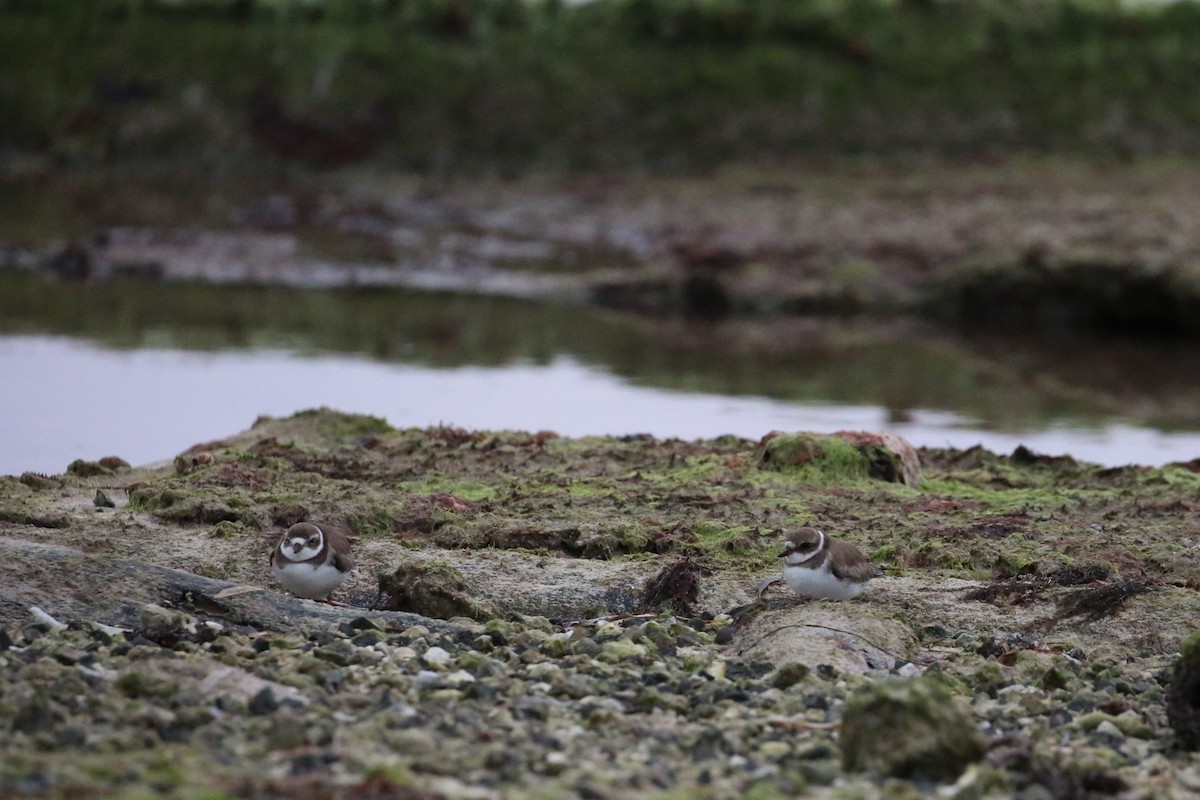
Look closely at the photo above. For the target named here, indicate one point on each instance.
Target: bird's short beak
(784, 554)
(297, 547)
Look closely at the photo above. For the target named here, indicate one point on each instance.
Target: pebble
(638, 707)
(426, 679)
(436, 657)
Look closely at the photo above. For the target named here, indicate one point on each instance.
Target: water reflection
(143, 371)
(80, 400)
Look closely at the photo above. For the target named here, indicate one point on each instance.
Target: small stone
(338, 656)
(586, 647)
(460, 678)
(608, 631)
(437, 657)
(427, 679)
(263, 702)
(556, 763)
(555, 645)
(621, 650)
(367, 638)
(773, 751)
(102, 500)
(789, 675)
(1109, 730)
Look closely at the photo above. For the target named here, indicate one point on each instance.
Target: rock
(243, 686)
(165, 627)
(846, 455)
(621, 650)
(1183, 695)
(102, 500)
(432, 589)
(1109, 730)
(460, 678)
(427, 678)
(86, 469)
(789, 675)
(437, 657)
(263, 702)
(845, 637)
(908, 728)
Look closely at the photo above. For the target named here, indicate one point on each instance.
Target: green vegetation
(460, 84)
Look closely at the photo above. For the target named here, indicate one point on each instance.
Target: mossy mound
(1183, 695)
(432, 590)
(845, 455)
(908, 729)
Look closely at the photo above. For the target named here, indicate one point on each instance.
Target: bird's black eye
(313, 542)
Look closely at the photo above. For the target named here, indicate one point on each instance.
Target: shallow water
(72, 398)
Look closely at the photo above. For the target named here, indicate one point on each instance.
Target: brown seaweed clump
(676, 586)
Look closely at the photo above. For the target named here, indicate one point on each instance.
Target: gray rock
(908, 728)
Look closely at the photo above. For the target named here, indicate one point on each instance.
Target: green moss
(814, 457)
(441, 484)
(340, 426)
(177, 502)
(372, 524)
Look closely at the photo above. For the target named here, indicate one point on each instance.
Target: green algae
(811, 457)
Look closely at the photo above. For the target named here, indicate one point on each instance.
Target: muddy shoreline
(1045, 598)
(1026, 244)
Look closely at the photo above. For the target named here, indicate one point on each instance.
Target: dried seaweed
(1021, 589)
(1104, 600)
(676, 586)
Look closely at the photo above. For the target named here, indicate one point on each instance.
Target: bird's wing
(853, 565)
(336, 539)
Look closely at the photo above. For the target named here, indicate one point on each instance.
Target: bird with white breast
(312, 560)
(823, 568)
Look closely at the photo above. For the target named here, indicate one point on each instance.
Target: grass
(666, 84)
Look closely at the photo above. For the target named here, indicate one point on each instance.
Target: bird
(312, 560)
(821, 567)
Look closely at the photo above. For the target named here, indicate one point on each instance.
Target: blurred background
(963, 221)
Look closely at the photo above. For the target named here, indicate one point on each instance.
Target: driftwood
(71, 585)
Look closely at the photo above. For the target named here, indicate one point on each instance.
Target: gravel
(519, 707)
